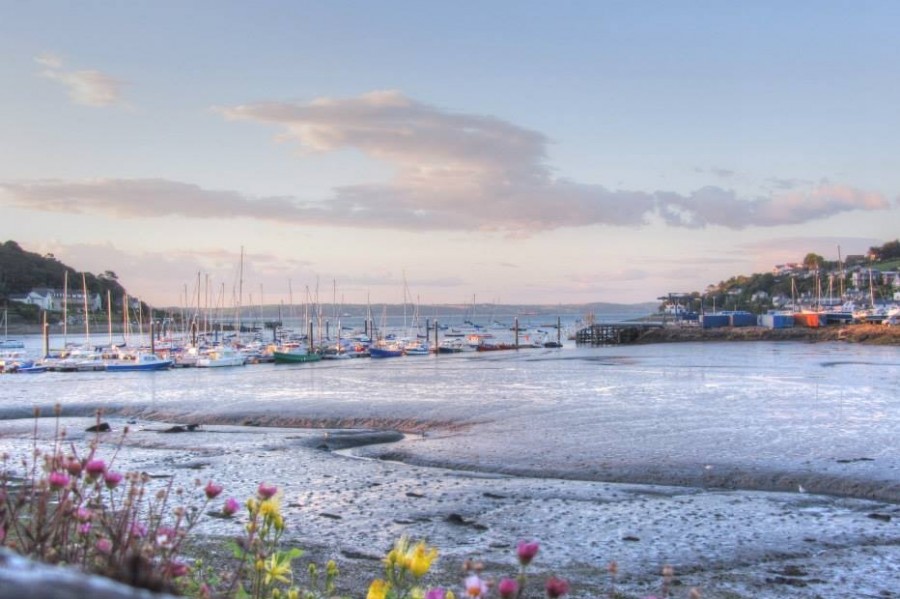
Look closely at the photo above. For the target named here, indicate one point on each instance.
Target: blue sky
(518, 152)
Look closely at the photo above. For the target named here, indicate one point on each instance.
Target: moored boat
(295, 357)
(385, 350)
(141, 361)
(219, 357)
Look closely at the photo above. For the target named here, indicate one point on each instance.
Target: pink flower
(112, 479)
(556, 587)
(84, 529)
(95, 468)
(165, 537)
(212, 490)
(73, 467)
(526, 551)
(266, 491)
(176, 569)
(231, 506)
(83, 514)
(437, 593)
(508, 588)
(58, 480)
(138, 530)
(104, 546)
(475, 587)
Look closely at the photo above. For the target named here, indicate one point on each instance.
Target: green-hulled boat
(290, 357)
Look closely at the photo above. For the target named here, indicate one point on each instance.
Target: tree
(888, 251)
(813, 261)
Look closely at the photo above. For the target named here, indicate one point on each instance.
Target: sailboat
(8, 343)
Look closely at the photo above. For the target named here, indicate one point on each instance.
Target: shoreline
(870, 334)
(349, 505)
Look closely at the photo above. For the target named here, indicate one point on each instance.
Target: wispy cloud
(86, 87)
(451, 171)
(716, 206)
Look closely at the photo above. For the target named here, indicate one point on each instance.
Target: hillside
(22, 271)
(812, 281)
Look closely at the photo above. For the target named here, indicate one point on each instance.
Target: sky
(509, 152)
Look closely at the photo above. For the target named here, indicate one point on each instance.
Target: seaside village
(843, 295)
(812, 296)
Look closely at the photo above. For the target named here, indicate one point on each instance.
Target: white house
(55, 300)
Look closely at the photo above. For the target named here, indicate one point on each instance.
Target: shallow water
(711, 420)
(738, 415)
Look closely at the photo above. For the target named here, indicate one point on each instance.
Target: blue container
(715, 321)
(743, 319)
(777, 321)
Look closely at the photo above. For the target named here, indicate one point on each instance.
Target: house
(55, 300)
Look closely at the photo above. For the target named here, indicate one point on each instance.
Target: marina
(583, 446)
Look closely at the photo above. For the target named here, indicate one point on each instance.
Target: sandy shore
(344, 500)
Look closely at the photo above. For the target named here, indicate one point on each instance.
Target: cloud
(451, 171)
(88, 87)
(716, 206)
(723, 173)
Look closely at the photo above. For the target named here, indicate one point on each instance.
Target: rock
(25, 579)
(102, 427)
(882, 517)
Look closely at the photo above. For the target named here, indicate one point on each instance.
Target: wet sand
(348, 497)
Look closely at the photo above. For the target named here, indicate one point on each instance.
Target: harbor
(734, 462)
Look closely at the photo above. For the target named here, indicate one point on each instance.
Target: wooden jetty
(612, 333)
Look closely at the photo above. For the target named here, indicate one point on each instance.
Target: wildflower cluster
(406, 564)
(265, 569)
(63, 507)
(404, 567)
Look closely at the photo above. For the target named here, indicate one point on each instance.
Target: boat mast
(65, 308)
(109, 314)
(841, 265)
(240, 294)
(87, 320)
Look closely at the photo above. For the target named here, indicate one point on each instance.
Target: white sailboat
(8, 343)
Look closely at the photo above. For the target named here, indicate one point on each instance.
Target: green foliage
(889, 251)
(737, 293)
(22, 271)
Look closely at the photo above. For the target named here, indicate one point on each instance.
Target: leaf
(293, 553)
(236, 550)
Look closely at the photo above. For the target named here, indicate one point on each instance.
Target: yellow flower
(293, 593)
(378, 589)
(278, 566)
(331, 568)
(420, 559)
(270, 508)
(449, 595)
(398, 553)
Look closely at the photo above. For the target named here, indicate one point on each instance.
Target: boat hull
(292, 358)
(161, 365)
(381, 352)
